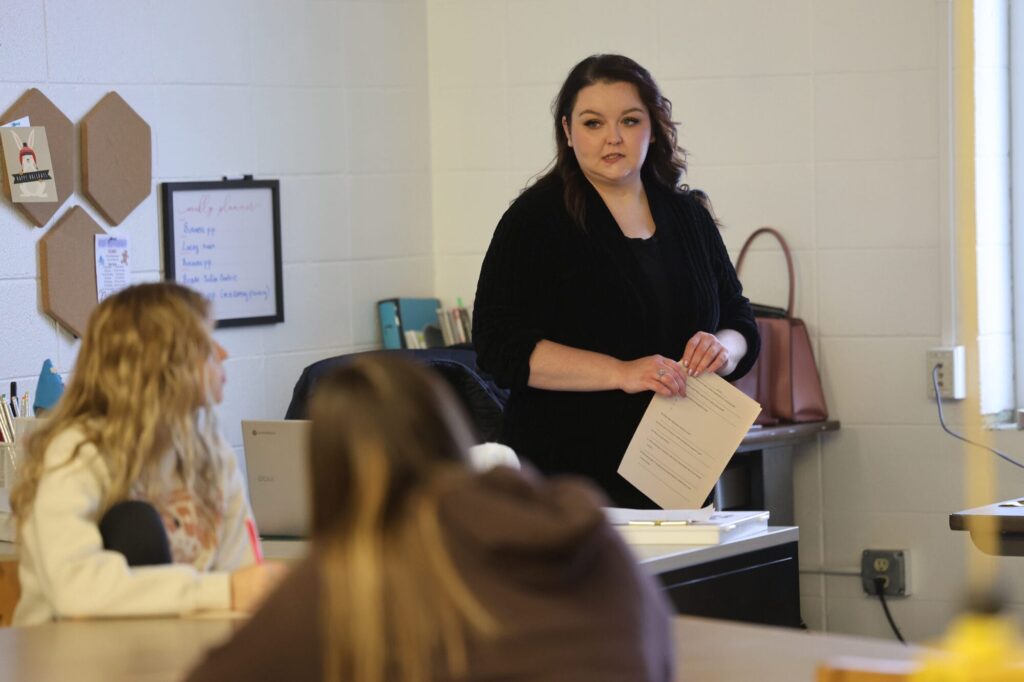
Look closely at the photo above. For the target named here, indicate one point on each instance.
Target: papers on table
(622, 516)
(684, 526)
(682, 445)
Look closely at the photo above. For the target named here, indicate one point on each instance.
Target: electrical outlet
(952, 374)
(888, 564)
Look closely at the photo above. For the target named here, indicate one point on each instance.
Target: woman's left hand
(704, 353)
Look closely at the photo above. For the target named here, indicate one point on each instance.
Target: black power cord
(879, 583)
(942, 421)
(880, 591)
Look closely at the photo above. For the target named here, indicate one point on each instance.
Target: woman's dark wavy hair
(666, 160)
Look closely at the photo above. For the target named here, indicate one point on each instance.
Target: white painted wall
(329, 96)
(825, 118)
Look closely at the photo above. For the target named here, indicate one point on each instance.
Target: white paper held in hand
(682, 445)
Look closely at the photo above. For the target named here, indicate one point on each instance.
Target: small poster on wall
(113, 271)
(223, 239)
(28, 164)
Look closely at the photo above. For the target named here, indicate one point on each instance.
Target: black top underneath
(650, 259)
(545, 278)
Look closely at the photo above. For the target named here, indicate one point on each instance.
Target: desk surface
(762, 437)
(1009, 513)
(1009, 517)
(656, 559)
(158, 650)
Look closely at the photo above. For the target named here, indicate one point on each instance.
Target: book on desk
(685, 526)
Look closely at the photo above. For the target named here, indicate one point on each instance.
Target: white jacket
(65, 572)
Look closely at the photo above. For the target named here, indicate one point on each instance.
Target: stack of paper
(685, 526)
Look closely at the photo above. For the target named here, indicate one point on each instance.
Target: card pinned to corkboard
(60, 134)
(30, 169)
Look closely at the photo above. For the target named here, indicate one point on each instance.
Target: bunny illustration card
(27, 164)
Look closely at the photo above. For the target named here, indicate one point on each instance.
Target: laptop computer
(276, 466)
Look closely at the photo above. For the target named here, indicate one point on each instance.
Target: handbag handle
(785, 250)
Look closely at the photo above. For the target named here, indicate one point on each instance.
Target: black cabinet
(762, 586)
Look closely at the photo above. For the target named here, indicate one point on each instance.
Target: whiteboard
(223, 239)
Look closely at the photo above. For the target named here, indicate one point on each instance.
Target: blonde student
(422, 569)
(135, 432)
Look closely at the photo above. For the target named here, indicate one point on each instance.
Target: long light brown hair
(138, 392)
(387, 438)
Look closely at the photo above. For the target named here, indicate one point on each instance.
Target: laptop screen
(276, 466)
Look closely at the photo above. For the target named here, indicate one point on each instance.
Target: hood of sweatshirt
(525, 527)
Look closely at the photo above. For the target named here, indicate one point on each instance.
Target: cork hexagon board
(60, 134)
(117, 158)
(68, 271)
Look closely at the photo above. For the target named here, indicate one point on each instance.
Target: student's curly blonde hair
(138, 392)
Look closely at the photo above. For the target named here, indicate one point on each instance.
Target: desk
(754, 579)
(760, 474)
(163, 650)
(1009, 516)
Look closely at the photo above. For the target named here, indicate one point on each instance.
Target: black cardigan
(545, 278)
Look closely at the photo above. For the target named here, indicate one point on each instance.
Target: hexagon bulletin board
(116, 163)
(117, 158)
(68, 269)
(60, 133)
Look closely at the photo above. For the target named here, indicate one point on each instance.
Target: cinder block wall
(330, 97)
(826, 119)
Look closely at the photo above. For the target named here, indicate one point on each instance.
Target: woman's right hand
(251, 585)
(653, 373)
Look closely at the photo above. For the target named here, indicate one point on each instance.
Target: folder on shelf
(399, 316)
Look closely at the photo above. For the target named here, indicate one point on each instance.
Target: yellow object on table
(978, 648)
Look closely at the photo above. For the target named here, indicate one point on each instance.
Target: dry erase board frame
(244, 284)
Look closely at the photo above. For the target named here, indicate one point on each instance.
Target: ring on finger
(661, 373)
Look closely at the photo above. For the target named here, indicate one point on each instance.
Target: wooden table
(1009, 517)
(163, 650)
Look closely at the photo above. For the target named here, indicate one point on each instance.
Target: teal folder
(399, 315)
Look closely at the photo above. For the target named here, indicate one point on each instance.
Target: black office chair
(483, 399)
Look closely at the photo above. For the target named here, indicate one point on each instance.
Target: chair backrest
(483, 399)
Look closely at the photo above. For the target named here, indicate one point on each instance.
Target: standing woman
(130, 464)
(606, 281)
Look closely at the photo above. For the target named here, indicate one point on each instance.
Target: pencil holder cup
(8, 465)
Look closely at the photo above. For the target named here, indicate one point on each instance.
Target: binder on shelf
(399, 316)
(684, 526)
